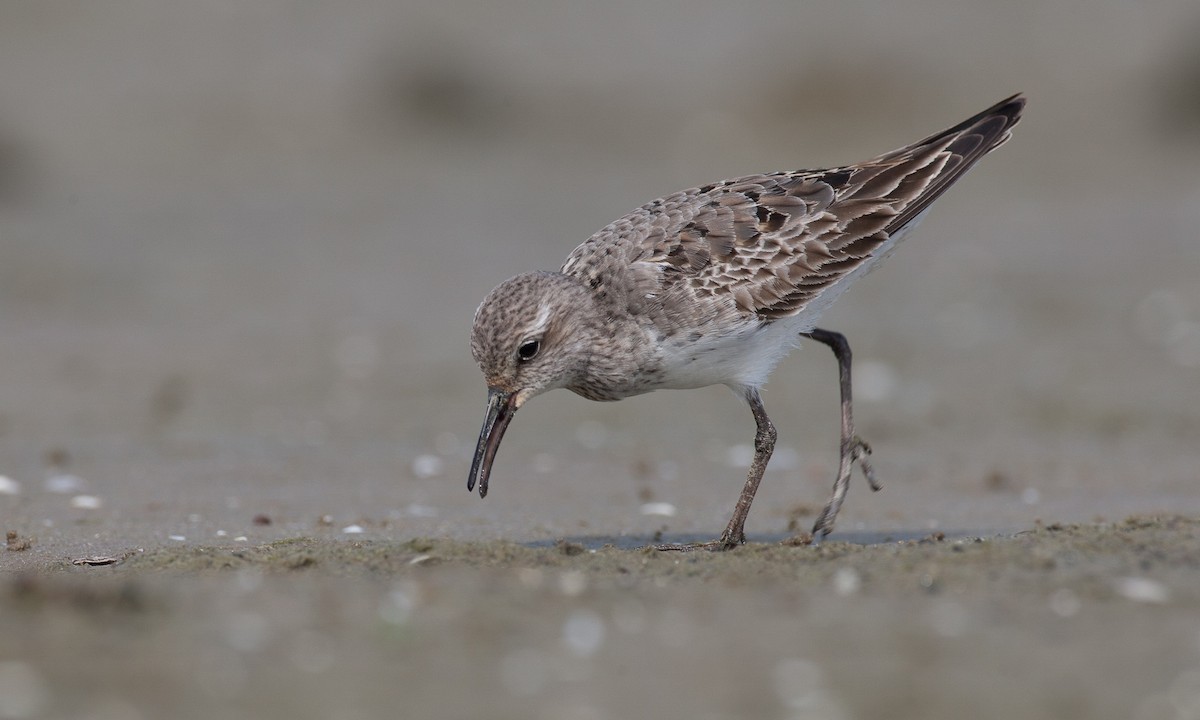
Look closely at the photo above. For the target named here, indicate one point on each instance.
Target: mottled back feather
(773, 244)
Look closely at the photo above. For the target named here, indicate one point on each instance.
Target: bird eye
(528, 350)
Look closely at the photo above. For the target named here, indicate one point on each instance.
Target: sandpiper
(715, 285)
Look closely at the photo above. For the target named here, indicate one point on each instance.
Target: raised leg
(853, 448)
(764, 445)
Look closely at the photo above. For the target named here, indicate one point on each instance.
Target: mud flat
(1061, 621)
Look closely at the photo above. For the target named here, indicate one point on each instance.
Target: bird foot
(710, 546)
(859, 452)
(854, 452)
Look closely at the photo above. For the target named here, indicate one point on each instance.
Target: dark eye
(528, 350)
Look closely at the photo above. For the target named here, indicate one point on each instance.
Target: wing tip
(1007, 111)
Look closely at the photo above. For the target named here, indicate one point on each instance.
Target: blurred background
(241, 245)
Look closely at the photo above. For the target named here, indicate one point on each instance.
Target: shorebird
(714, 286)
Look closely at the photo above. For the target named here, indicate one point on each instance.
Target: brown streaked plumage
(713, 285)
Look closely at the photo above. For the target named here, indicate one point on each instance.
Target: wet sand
(1062, 621)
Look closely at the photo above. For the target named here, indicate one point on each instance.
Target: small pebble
(1139, 589)
(8, 486)
(16, 543)
(221, 533)
(658, 508)
(846, 581)
(86, 502)
(427, 466)
(566, 547)
(398, 606)
(96, 560)
(583, 633)
(63, 484)
(261, 519)
(353, 529)
(176, 538)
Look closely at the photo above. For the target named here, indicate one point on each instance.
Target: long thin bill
(500, 411)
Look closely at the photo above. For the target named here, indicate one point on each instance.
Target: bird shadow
(864, 538)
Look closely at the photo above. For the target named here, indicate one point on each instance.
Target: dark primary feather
(775, 242)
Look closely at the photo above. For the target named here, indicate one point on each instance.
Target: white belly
(743, 357)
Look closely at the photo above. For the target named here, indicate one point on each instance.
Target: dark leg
(853, 448)
(764, 445)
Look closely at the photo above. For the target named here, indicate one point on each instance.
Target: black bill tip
(500, 409)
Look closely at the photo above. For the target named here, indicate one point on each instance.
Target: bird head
(527, 339)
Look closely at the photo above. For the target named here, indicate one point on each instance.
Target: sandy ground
(1083, 621)
(240, 249)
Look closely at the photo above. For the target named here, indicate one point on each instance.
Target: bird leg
(853, 448)
(764, 445)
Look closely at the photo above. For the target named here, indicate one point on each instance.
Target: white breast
(739, 357)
